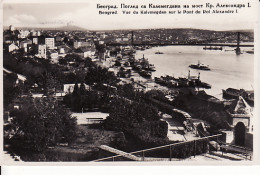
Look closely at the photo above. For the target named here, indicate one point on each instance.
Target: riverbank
(176, 59)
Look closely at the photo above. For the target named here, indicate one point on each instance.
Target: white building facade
(50, 43)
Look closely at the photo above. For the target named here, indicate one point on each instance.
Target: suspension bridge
(219, 41)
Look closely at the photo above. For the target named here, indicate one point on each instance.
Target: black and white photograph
(129, 81)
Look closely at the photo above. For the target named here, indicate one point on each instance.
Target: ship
(190, 81)
(158, 52)
(149, 67)
(250, 51)
(212, 48)
(145, 74)
(199, 66)
(146, 65)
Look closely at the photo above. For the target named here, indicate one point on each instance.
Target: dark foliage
(81, 98)
(139, 120)
(40, 123)
(10, 88)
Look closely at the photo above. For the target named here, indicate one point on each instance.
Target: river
(227, 68)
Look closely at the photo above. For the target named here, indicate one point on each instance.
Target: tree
(99, 75)
(82, 97)
(82, 89)
(63, 61)
(117, 63)
(139, 120)
(41, 123)
(76, 90)
(50, 84)
(88, 62)
(10, 88)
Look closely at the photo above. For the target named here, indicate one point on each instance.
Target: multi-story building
(33, 33)
(50, 43)
(78, 44)
(42, 50)
(38, 33)
(35, 40)
(24, 45)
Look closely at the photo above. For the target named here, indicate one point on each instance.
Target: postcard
(140, 82)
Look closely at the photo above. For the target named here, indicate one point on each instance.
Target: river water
(227, 68)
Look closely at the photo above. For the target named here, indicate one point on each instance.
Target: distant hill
(71, 28)
(245, 31)
(63, 28)
(76, 28)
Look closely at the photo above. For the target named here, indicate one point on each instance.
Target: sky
(86, 15)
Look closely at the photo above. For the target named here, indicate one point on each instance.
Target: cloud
(20, 20)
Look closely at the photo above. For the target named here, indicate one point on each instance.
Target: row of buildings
(42, 45)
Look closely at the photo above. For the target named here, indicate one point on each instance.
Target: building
(42, 50)
(69, 88)
(7, 40)
(50, 43)
(78, 44)
(23, 34)
(240, 120)
(12, 47)
(58, 38)
(35, 40)
(38, 33)
(86, 52)
(11, 28)
(61, 50)
(53, 55)
(33, 33)
(101, 42)
(240, 111)
(25, 44)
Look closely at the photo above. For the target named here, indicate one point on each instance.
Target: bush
(41, 123)
(139, 120)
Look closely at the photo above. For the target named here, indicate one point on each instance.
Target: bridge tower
(238, 51)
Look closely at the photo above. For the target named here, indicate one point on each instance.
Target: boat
(149, 67)
(144, 73)
(146, 65)
(137, 66)
(250, 51)
(212, 48)
(158, 52)
(203, 85)
(127, 64)
(190, 81)
(199, 66)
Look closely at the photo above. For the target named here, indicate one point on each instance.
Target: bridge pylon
(238, 51)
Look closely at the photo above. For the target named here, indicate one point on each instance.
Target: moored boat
(144, 73)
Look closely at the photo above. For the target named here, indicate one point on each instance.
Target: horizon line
(83, 28)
